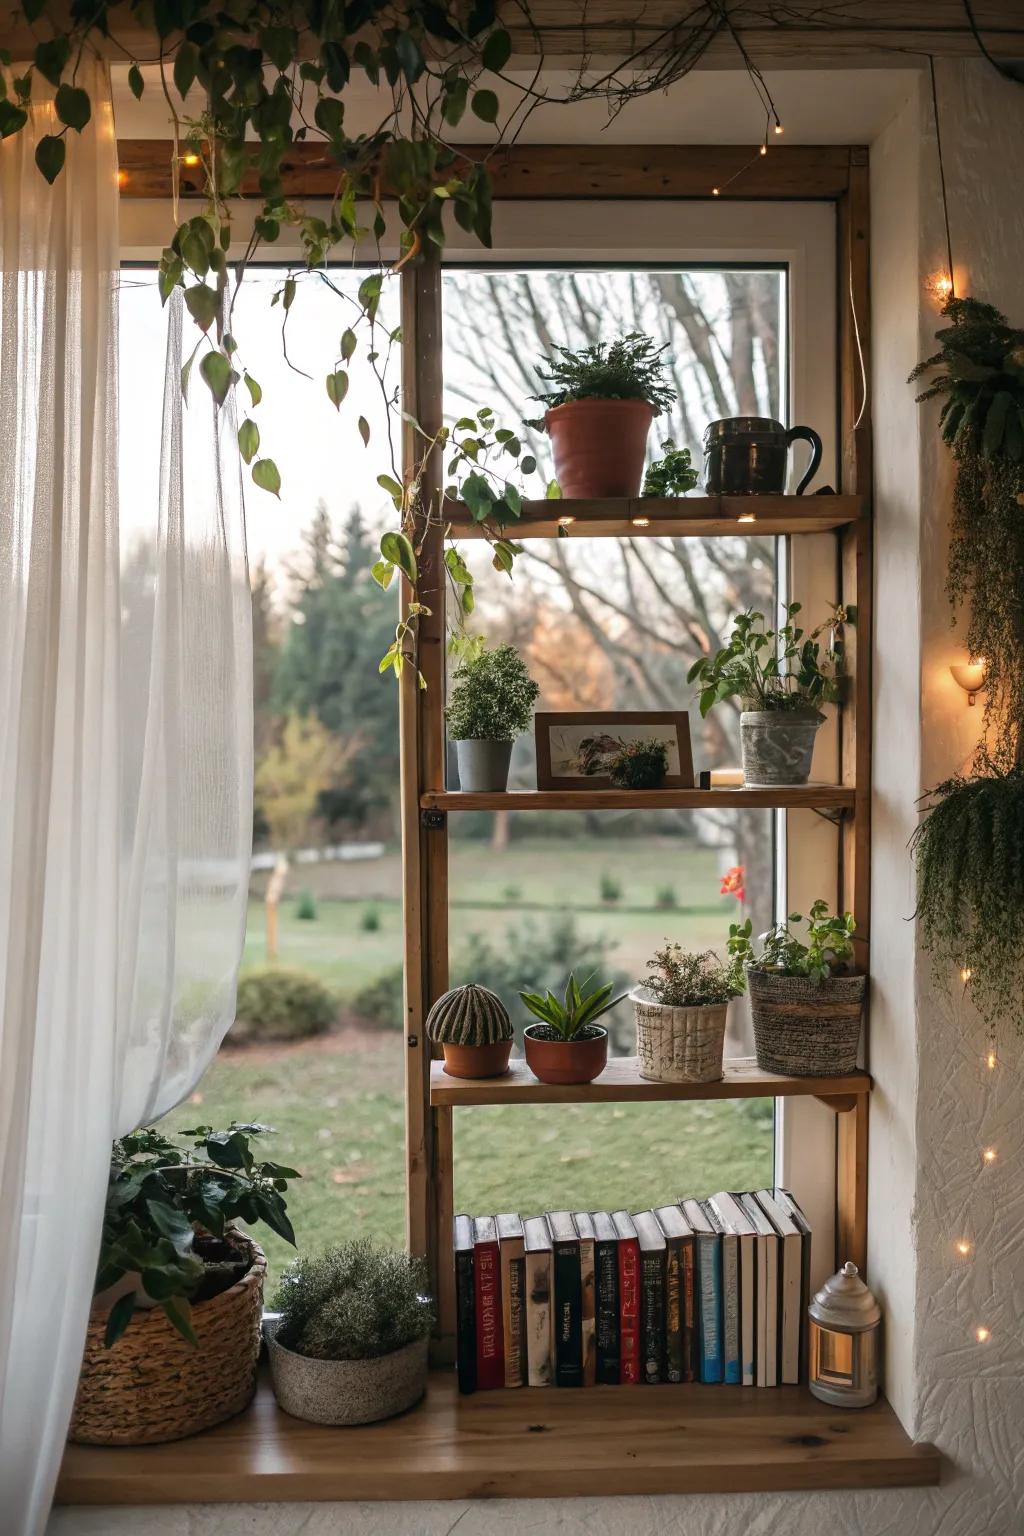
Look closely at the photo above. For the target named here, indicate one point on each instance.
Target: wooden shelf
(530, 1443)
(621, 1083)
(681, 517)
(811, 797)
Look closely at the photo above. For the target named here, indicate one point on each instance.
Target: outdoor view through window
(606, 623)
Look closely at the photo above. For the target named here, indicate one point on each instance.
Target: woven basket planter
(154, 1385)
(804, 1028)
(678, 1045)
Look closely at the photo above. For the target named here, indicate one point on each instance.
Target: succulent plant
(469, 1015)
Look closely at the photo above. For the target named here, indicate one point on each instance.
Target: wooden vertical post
(852, 1185)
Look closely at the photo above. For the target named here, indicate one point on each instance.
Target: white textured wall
(936, 1106)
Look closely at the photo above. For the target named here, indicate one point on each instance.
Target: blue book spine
(731, 1312)
(710, 1249)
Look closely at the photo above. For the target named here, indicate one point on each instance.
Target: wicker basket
(804, 1028)
(154, 1385)
(678, 1045)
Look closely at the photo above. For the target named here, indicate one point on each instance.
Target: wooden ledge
(531, 1443)
(679, 517)
(796, 797)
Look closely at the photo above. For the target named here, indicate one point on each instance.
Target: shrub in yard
(666, 898)
(305, 907)
(353, 1302)
(611, 889)
(380, 1002)
(369, 921)
(281, 1005)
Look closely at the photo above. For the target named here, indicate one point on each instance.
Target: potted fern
(599, 413)
(490, 704)
(568, 1045)
(681, 1011)
(349, 1343)
(472, 1026)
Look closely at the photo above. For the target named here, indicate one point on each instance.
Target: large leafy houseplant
(783, 669)
(827, 951)
(630, 368)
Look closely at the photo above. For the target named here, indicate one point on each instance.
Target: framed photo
(574, 749)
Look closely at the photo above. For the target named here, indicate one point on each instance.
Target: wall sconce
(970, 675)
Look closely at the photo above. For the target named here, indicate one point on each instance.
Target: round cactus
(469, 1015)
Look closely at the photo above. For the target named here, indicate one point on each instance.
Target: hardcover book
(708, 1286)
(730, 1297)
(766, 1250)
(606, 1299)
(803, 1226)
(679, 1340)
(790, 1281)
(540, 1356)
(513, 1298)
(490, 1349)
(588, 1314)
(568, 1292)
(652, 1295)
(739, 1227)
(465, 1305)
(629, 1299)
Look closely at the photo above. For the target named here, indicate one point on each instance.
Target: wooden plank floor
(527, 1443)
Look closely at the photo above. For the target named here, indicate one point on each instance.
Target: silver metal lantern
(845, 1339)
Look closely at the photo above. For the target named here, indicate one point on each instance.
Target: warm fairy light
(190, 159)
(641, 522)
(714, 191)
(963, 1246)
(746, 517)
(939, 285)
(764, 149)
(982, 1335)
(122, 178)
(989, 1154)
(990, 1061)
(563, 522)
(965, 973)
(778, 127)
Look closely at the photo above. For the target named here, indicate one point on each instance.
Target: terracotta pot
(477, 1060)
(566, 1061)
(599, 446)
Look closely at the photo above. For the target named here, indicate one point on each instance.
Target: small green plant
(775, 669)
(305, 907)
(829, 947)
(678, 979)
(639, 764)
(281, 1005)
(574, 1016)
(512, 893)
(161, 1192)
(672, 475)
(666, 898)
(631, 368)
(353, 1302)
(369, 920)
(492, 696)
(610, 888)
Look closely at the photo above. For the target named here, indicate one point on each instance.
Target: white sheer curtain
(125, 768)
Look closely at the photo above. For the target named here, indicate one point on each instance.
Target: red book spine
(629, 1311)
(490, 1346)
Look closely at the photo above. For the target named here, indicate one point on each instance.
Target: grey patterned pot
(777, 746)
(483, 765)
(347, 1391)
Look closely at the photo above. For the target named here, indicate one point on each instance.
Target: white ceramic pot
(678, 1045)
(347, 1391)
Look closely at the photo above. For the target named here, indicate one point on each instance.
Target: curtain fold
(125, 767)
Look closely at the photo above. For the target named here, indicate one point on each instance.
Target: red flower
(732, 883)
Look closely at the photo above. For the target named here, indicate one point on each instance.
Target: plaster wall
(936, 1106)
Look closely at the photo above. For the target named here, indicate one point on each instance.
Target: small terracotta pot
(489, 1060)
(566, 1061)
(599, 446)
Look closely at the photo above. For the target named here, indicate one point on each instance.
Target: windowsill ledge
(516, 1444)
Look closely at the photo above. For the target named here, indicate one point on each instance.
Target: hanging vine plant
(970, 846)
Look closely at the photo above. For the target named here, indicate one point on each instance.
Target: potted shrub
(350, 1344)
(639, 764)
(174, 1334)
(599, 413)
(805, 998)
(782, 677)
(568, 1045)
(681, 1011)
(472, 1026)
(490, 704)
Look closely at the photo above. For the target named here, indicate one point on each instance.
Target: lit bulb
(641, 522)
(989, 1154)
(939, 285)
(965, 973)
(746, 517)
(990, 1061)
(778, 127)
(714, 191)
(963, 1246)
(564, 522)
(982, 1335)
(122, 178)
(764, 149)
(190, 159)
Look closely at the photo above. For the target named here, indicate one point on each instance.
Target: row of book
(711, 1290)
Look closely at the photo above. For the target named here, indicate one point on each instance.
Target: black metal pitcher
(749, 456)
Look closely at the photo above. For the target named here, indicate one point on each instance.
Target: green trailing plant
(784, 669)
(353, 1302)
(631, 368)
(828, 949)
(162, 1200)
(639, 764)
(677, 978)
(671, 475)
(492, 696)
(281, 1004)
(573, 1016)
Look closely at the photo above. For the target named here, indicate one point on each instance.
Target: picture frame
(569, 740)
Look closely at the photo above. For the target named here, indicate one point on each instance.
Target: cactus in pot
(472, 1026)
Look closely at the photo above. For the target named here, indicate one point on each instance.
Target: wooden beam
(852, 1185)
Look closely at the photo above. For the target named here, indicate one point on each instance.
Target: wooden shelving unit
(703, 517)
(803, 797)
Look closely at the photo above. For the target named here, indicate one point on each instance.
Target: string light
(122, 178)
(990, 1061)
(190, 159)
(764, 149)
(965, 973)
(982, 1335)
(989, 1154)
(963, 1246)
(939, 285)
(778, 126)
(714, 191)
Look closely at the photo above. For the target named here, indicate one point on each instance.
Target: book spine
(540, 1368)
(730, 1313)
(568, 1319)
(490, 1351)
(629, 1311)
(709, 1276)
(514, 1320)
(652, 1314)
(465, 1312)
(606, 1305)
(588, 1313)
(687, 1307)
(673, 1311)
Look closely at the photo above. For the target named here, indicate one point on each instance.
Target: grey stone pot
(483, 765)
(347, 1391)
(777, 747)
